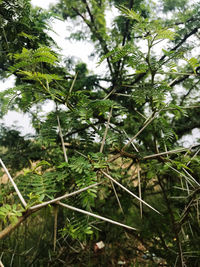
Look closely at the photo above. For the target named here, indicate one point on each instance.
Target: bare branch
(64, 196)
(167, 153)
(55, 226)
(131, 193)
(13, 183)
(62, 140)
(188, 180)
(139, 187)
(149, 120)
(106, 131)
(11, 227)
(96, 216)
(119, 203)
(133, 145)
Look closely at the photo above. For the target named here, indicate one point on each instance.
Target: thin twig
(182, 107)
(11, 227)
(192, 178)
(139, 187)
(119, 203)
(64, 196)
(193, 156)
(166, 153)
(149, 120)
(180, 73)
(107, 96)
(73, 82)
(131, 193)
(96, 216)
(164, 144)
(133, 145)
(14, 184)
(62, 140)
(55, 226)
(171, 83)
(81, 154)
(106, 131)
(183, 175)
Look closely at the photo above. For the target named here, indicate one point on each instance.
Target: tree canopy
(109, 162)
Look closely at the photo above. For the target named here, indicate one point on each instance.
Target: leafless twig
(62, 197)
(128, 191)
(62, 140)
(96, 216)
(106, 131)
(14, 184)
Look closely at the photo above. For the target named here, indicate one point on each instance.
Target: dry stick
(164, 144)
(14, 184)
(173, 81)
(95, 215)
(55, 227)
(114, 157)
(71, 88)
(119, 203)
(148, 121)
(133, 145)
(81, 154)
(191, 177)
(131, 193)
(180, 73)
(166, 153)
(101, 150)
(106, 131)
(107, 96)
(62, 197)
(188, 164)
(193, 156)
(138, 172)
(189, 150)
(159, 154)
(33, 209)
(1, 264)
(11, 227)
(187, 178)
(73, 82)
(62, 140)
(188, 107)
(139, 187)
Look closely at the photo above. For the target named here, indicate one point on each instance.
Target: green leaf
(165, 34)
(130, 13)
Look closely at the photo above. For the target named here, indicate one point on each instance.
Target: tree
(116, 142)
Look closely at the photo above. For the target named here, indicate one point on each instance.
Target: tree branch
(13, 183)
(11, 227)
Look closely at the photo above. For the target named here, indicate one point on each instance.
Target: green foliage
(78, 227)
(135, 114)
(131, 14)
(17, 151)
(168, 5)
(10, 213)
(19, 29)
(30, 59)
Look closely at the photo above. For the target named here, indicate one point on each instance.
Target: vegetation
(108, 163)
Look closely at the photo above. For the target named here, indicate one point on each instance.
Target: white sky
(43, 3)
